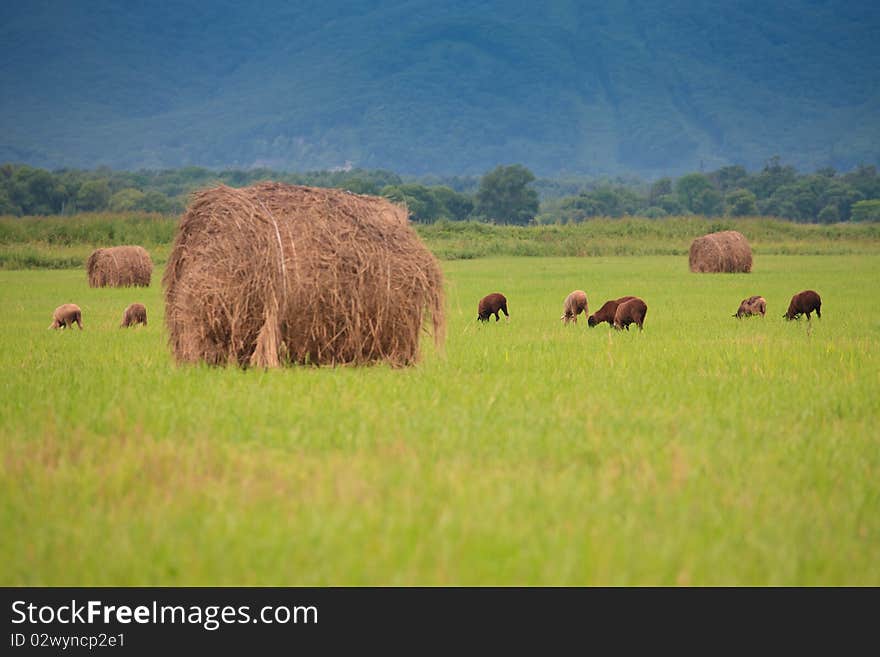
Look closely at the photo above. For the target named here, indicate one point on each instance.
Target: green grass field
(704, 450)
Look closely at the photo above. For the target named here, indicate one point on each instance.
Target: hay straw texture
(119, 266)
(275, 273)
(727, 251)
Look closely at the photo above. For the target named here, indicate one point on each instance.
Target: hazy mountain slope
(453, 87)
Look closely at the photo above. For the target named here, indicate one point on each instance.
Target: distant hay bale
(274, 274)
(727, 251)
(119, 266)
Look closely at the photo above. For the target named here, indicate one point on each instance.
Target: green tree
(781, 203)
(93, 195)
(418, 199)
(842, 195)
(866, 210)
(655, 212)
(829, 214)
(7, 207)
(709, 202)
(154, 201)
(126, 200)
(670, 204)
(36, 191)
(661, 187)
(607, 201)
(454, 205)
(691, 189)
(728, 178)
(360, 186)
(771, 178)
(505, 196)
(865, 180)
(741, 203)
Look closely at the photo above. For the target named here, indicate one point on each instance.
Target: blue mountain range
(419, 86)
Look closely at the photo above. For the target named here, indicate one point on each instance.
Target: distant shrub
(866, 210)
(829, 215)
(655, 213)
(741, 203)
(126, 200)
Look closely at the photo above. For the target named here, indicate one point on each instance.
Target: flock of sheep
(624, 311)
(620, 313)
(68, 314)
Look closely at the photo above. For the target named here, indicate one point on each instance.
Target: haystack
(727, 251)
(119, 266)
(274, 274)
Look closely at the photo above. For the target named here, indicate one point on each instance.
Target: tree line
(507, 194)
(825, 196)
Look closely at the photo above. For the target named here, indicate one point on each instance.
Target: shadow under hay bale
(119, 266)
(276, 273)
(727, 251)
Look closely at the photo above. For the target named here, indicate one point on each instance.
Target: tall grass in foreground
(60, 242)
(704, 450)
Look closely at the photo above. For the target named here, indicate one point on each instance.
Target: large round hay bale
(119, 266)
(275, 273)
(727, 251)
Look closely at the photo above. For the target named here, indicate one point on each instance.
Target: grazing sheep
(630, 312)
(490, 305)
(804, 302)
(752, 306)
(606, 312)
(65, 316)
(136, 313)
(575, 304)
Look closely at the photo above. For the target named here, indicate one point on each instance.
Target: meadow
(704, 450)
(63, 242)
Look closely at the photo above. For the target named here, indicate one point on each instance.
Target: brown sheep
(65, 316)
(630, 312)
(752, 306)
(575, 304)
(490, 305)
(804, 302)
(606, 312)
(136, 313)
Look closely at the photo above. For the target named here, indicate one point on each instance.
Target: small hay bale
(727, 251)
(274, 274)
(120, 266)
